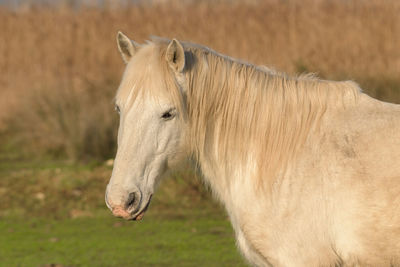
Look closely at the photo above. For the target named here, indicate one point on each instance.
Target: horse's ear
(126, 47)
(175, 56)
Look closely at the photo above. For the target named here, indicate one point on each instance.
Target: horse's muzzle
(121, 212)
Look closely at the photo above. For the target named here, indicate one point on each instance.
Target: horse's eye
(168, 115)
(117, 109)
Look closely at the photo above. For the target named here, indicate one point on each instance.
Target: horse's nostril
(131, 201)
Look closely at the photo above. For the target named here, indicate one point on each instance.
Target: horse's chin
(139, 217)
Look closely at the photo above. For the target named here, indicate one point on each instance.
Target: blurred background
(59, 71)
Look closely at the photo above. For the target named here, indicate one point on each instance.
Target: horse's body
(339, 201)
(308, 170)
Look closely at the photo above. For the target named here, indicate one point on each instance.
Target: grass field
(53, 212)
(194, 238)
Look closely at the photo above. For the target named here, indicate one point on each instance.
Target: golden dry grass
(68, 52)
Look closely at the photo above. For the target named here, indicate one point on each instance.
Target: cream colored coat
(308, 170)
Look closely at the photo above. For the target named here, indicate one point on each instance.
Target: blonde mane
(238, 112)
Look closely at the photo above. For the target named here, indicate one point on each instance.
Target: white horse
(308, 169)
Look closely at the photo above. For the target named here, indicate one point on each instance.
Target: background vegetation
(60, 66)
(59, 70)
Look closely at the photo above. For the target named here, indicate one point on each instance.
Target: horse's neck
(214, 174)
(226, 176)
(287, 111)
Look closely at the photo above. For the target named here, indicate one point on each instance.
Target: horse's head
(151, 129)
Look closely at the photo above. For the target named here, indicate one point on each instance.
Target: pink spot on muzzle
(120, 212)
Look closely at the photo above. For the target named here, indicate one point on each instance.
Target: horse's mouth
(140, 214)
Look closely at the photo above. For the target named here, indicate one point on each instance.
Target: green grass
(194, 239)
(53, 212)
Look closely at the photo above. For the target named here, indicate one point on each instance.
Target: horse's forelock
(148, 74)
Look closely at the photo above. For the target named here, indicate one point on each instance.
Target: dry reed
(67, 55)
